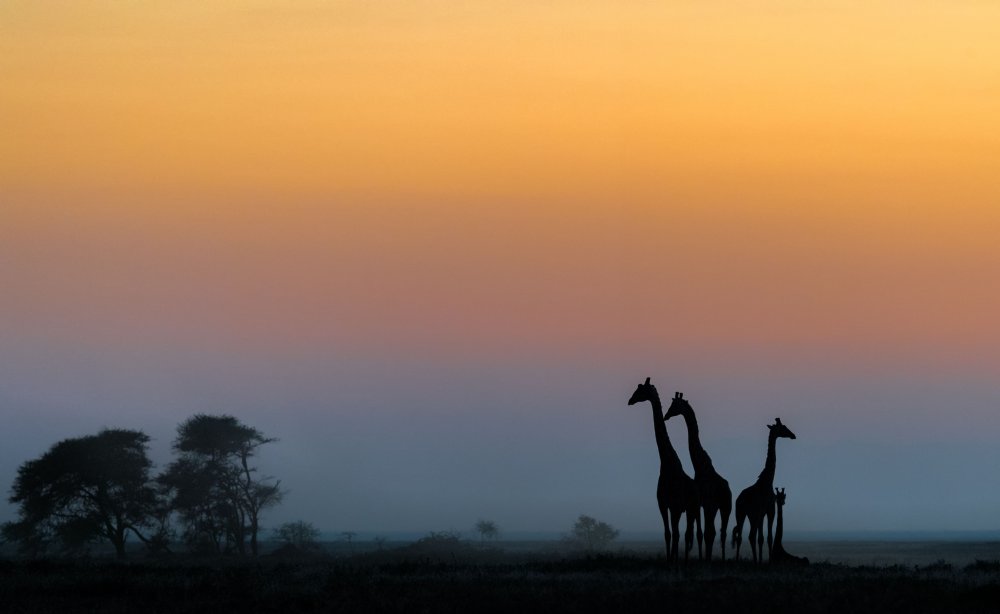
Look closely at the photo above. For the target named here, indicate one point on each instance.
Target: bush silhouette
(299, 534)
(592, 534)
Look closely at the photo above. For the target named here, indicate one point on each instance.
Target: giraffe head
(779, 495)
(780, 430)
(643, 392)
(678, 405)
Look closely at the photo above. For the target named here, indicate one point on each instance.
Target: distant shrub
(440, 538)
(438, 543)
(300, 534)
(591, 534)
(487, 529)
(984, 566)
(938, 565)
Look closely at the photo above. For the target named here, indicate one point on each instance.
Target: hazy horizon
(534, 450)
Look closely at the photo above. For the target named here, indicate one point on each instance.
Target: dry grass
(468, 579)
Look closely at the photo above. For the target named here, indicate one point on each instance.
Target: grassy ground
(446, 577)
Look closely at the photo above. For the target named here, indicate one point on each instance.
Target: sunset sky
(432, 246)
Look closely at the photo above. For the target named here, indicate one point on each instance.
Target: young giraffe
(778, 554)
(757, 501)
(676, 492)
(713, 490)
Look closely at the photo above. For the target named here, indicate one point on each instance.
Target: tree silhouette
(349, 538)
(85, 489)
(487, 529)
(592, 533)
(213, 485)
(300, 534)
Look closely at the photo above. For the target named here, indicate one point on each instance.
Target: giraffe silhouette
(757, 500)
(778, 554)
(714, 495)
(676, 492)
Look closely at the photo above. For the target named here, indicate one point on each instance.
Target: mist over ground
(393, 446)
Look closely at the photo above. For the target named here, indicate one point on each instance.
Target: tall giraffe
(676, 492)
(757, 500)
(778, 554)
(713, 490)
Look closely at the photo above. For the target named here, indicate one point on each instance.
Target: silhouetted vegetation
(437, 542)
(491, 583)
(983, 566)
(97, 488)
(300, 534)
(214, 488)
(487, 529)
(592, 534)
(85, 489)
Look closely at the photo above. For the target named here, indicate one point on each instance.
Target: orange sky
(512, 98)
(505, 176)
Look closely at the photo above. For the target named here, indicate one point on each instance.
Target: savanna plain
(444, 573)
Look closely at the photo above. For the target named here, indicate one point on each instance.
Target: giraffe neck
(699, 458)
(668, 456)
(767, 475)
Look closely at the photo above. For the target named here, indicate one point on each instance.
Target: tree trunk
(253, 534)
(118, 539)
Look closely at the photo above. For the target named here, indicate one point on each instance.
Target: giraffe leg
(700, 536)
(723, 525)
(753, 540)
(688, 537)
(737, 537)
(760, 542)
(738, 529)
(709, 532)
(770, 541)
(666, 535)
(675, 521)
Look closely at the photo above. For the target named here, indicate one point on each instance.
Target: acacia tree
(592, 533)
(194, 489)
(85, 489)
(213, 484)
(487, 530)
(300, 534)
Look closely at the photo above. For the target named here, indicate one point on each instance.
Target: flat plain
(524, 577)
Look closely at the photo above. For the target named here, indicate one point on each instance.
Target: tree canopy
(487, 529)
(213, 484)
(85, 489)
(592, 533)
(300, 534)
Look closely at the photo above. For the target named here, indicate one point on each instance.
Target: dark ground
(465, 578)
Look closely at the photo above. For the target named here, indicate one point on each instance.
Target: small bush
(592, 534)
(938, 565)
(983, 566)
(300, 535)
(438, 540)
